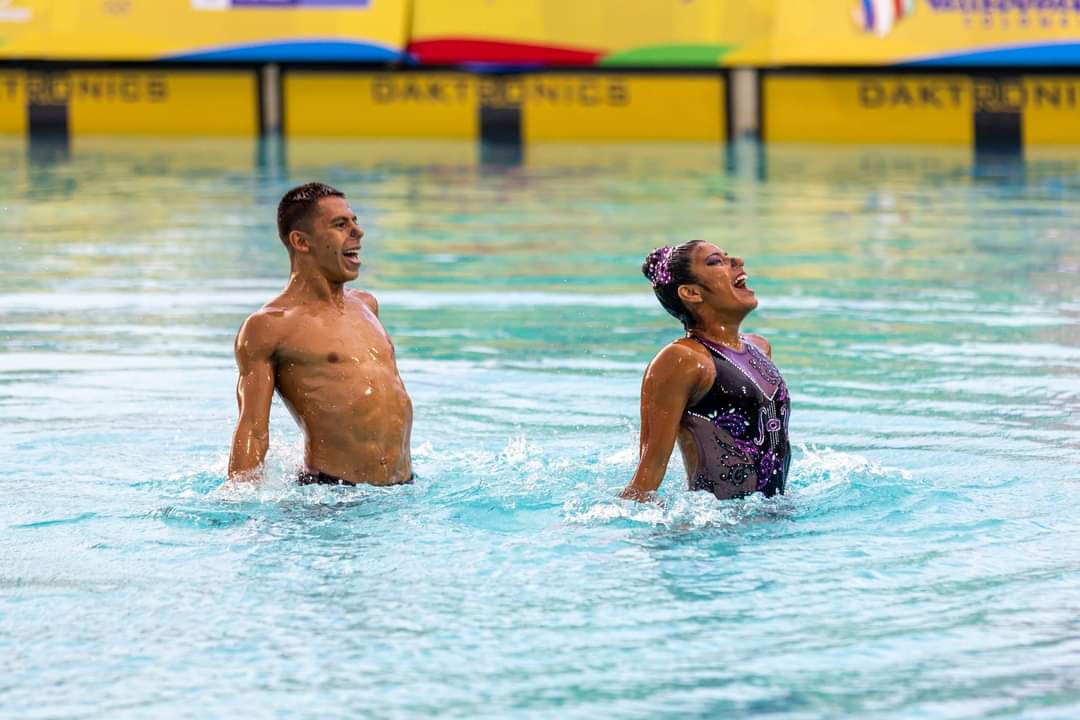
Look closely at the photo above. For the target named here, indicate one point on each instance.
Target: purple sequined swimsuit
(740, 427)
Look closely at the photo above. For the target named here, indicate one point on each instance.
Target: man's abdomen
(357, 426)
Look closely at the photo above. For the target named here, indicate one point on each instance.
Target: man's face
(334, 239)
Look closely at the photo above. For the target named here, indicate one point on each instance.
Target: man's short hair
(296, 206)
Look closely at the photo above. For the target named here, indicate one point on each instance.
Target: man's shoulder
(360, 294)
(366, 298)
(268, 321)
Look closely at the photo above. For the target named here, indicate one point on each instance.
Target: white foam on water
(621, 458)
(283, 463)
(821, 471)
(585, 487)
(816, 475)
(680, 511)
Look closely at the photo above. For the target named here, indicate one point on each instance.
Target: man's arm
(670, 381)
(254, 391)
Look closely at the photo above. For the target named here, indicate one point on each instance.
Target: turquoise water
(925, 564)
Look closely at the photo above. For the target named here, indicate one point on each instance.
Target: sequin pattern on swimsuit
(747, 409)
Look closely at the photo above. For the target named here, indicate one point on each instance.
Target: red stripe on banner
(453, 51)
(898, 9)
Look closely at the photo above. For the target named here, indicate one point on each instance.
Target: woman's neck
(726, 335)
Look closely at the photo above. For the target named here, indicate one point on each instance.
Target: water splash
(819, 478)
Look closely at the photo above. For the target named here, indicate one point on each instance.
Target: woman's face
(722, 279)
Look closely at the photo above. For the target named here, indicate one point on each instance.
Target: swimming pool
(925, 563)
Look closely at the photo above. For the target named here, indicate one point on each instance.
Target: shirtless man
(322, 347)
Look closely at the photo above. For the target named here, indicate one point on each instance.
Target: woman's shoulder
(682, 357)
(684, 347)
(759, 342)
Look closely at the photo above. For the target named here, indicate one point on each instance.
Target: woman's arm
(671, 380)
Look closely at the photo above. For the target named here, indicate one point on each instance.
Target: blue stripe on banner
(302, 3)
(1049, 54)
(868, 11)
(311, 51)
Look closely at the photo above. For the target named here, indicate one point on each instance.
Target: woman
(715, 390)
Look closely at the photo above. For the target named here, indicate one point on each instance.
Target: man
(322, 347)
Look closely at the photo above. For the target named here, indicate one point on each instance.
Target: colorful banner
(973, 33)
(214, 30)
(647, 33)
(539, 33)
(708, 33)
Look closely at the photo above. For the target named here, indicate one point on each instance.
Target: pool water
(925, 563)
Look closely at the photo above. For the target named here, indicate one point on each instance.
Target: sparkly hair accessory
(659, 270)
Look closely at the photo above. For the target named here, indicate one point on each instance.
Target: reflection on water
(923, 306)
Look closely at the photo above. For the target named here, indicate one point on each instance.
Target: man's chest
(347, 338)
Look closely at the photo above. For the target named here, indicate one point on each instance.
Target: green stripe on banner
(670, 55)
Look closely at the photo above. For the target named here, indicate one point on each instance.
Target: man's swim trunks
(741, 426)
(318, 477)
